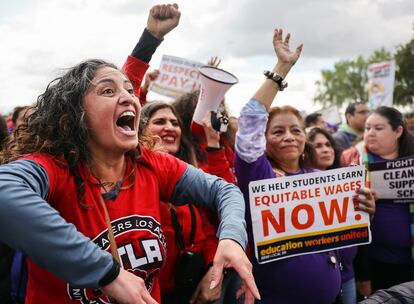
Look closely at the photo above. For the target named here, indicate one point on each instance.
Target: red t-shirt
(135, 218)
(205, 241)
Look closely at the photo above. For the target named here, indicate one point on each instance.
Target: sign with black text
(393, 180)
(307, 213)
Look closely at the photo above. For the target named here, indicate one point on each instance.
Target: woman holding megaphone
(194, 235)
(212, 149)
(215, 162)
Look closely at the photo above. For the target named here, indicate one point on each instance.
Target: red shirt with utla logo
(135, 219)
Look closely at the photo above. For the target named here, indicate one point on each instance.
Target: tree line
(348, 81)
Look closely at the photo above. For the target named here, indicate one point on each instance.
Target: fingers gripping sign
(231, 255)
(214, 61)
(162, 19)
(366, 200)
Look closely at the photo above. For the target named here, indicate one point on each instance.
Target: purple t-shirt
(310, 278)
(347, 256)
(391, 232)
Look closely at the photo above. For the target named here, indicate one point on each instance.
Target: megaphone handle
(215, 123)
(224, 124)
(219, 124)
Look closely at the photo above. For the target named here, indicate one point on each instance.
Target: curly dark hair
(57, 126)
(185, 105)
(17, 111)
(3, 131)
(337, 154)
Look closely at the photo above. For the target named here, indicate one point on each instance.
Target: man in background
(351, 132)
(409, 121)
(314, 120)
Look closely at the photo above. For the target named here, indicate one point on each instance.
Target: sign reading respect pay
(307, 213)
(177, 76)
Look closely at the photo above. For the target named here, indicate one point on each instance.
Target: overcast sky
(39, 38)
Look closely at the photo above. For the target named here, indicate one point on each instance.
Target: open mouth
(126, 121)
(169, 139)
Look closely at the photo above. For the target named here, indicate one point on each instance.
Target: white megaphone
(215, 83)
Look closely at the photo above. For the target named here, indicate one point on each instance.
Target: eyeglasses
(363, 112)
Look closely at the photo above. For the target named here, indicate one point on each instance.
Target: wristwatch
(276, 78)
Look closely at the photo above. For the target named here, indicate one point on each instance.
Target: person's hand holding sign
(214, 61)
(366, 202)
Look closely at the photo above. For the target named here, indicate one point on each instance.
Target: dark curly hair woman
(81, 146)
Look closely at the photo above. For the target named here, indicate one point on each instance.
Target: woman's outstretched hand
(127, 288)
(231, 255)
(286, 57)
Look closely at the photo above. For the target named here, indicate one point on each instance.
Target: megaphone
(215, 83)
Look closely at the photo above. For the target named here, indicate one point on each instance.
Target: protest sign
(393, 180)
(381, 78)
(307, 213)
(177, 76)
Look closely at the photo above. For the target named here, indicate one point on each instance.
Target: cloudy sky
(39, 38)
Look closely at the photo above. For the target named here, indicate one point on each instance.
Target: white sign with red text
(177, 76)
(307, 213)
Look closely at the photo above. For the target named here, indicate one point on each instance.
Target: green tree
(404, 76)
(347, 82)
(343, 84)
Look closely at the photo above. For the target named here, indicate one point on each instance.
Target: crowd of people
(111, 198)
